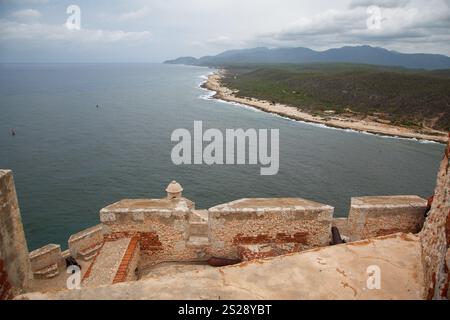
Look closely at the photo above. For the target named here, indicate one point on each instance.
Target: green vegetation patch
(412, 98)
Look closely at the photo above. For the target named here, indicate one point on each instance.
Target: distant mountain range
(359, 54)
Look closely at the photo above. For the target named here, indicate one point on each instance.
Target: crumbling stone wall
(377, 216)
(162, 234)
(16, 272)
(46, 261)
(435, 236)
(85, 240)
(234, 230)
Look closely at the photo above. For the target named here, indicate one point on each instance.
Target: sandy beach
(365, 125)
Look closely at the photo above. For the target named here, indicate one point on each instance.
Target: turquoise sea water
(70, 158)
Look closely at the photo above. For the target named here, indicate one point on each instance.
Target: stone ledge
(45, 257)
(264, 205)
(388, 202)
(86, 233)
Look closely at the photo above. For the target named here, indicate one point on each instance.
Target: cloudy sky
(155, 30)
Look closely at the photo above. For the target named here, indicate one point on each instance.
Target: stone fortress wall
(435, 236)
(15, 274)
(136, 234)
(145, 233)
(140, 233)
(261, 226)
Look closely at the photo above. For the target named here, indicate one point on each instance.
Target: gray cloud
(24, 2)
(380, 3)
(26, 14)
(137, 14)
(399, 24)
(155, 30)
(10, 30)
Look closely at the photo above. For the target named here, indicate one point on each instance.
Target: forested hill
(413, 98)
(357, 54)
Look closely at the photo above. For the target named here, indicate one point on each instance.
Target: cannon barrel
(336, 236)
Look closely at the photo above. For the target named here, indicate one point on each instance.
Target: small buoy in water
(97, 106)
(13, 132)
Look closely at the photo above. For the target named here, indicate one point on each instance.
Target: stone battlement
(136, 236)
(171, 230)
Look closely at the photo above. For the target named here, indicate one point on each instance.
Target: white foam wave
(209, 94)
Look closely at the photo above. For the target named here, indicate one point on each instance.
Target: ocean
(70, 158)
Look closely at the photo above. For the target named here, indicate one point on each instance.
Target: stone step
(47, 272)
(90, 257)
(89, 253)
(52, 275)
(198, 229)
(198, 242)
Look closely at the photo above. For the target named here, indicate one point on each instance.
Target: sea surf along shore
(214, 83)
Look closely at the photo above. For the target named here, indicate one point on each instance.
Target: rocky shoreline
(214, 83)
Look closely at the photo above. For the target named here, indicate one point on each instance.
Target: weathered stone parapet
(46, 261)
(13, 247)
(301, 223)
(138, 210)
(435, 236)
(86, 243)
(382, 215)
(161, 225)
(135, 234)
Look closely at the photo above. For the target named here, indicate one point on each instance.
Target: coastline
(213, 83)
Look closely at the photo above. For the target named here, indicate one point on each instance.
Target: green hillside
(413, 98)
